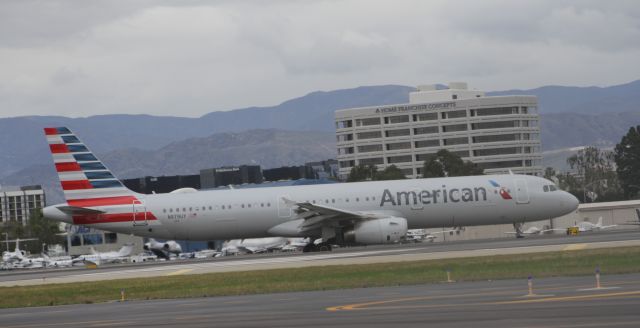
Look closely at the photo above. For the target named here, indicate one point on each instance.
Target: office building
(18, 203)
(498, 133)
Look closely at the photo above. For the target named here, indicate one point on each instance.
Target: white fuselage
(424, 203)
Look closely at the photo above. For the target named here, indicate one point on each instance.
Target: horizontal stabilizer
(73, 210)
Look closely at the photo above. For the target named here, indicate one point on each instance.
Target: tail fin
(86, 182)
(599, 224)
(125, 250)
(638, 214)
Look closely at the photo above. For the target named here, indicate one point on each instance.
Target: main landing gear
(321, 247)
(518, 228)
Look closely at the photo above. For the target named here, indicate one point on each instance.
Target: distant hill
(570, 117)
(22, 142)
(583, 100)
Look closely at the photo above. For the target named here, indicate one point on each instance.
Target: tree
(391, 172)
(627, 158)
(595, 169)
(445, 163)
(44, 230)
(362, 173)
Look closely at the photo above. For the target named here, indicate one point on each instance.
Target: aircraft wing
(316, 215)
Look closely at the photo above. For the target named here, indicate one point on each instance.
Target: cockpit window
(552, 188)
(545, 188)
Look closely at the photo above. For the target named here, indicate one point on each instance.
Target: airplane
(373, 212)
(99, 258)
(57, 262)
(163, 250)
(531, 231)
(637, 222)
(17, 255)
(254, 245)
(588, 226)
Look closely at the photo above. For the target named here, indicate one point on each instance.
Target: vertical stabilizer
(85, 180)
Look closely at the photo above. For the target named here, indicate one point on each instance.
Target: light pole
(6, 238)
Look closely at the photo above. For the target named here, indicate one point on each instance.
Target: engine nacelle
(172, 247)
(378, 231)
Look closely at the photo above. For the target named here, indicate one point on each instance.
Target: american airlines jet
(365, 212)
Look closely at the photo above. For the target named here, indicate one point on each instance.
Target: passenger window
(223, 207)
(210, 208)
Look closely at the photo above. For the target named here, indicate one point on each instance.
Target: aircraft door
(139, 212)
(522, 192)
(284, 210)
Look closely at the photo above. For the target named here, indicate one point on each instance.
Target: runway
(559, 302)
(356, 255)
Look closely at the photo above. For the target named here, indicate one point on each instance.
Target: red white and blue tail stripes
(86, 182)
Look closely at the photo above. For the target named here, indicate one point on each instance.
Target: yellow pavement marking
(575, 247)
(179, 272)
(572, 298)
(357, 306)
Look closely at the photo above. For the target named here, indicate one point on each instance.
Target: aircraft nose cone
(53, 213)
(569, 202)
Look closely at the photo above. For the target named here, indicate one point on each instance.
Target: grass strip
(567, 263)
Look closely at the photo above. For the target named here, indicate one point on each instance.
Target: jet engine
(378, 231)
(163, 249)
(172, 247)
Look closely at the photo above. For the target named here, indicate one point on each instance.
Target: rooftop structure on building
(498, 133)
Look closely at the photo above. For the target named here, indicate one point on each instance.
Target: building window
(454, 114)
(369, 148)
(454, 128)
(368, 121)
(397, 133)
(344, 137)
(427, 143)
(110, 237)
(396, 119)
(371, 161)
(399, 145)
(496, 111)
(494, 125)
(424, 157)
(497, 151)
(344, 124)
(399, 159)
(345, 150)
(344, 164)
(496, 138)
(455, 141)
(425, 130)
(369, 135)
(461, 153)
(500, 165)
(92, 239)
(425, 117)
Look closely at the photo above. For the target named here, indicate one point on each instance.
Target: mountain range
(296, 131)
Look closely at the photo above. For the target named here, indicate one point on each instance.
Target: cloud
(189, 58)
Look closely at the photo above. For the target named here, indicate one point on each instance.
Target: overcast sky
(188, 58)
